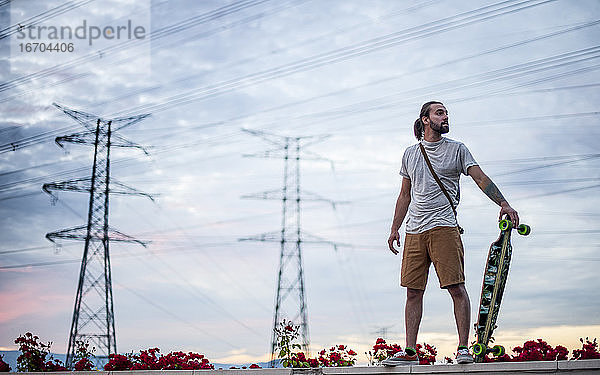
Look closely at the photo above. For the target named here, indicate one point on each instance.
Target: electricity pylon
(93, 315)
(382, 332)
(290, 302)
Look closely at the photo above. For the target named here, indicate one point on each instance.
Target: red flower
(335, 357)
(4, 367)
(118, 362)
(589, 350)
(151, 360)
(84, 364)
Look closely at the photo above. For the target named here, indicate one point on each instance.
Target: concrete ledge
(587, 367)
(591, 364)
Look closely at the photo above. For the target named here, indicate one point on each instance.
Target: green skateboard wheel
(524, 229)
(504, 224)
(498, 350)
(479, 349)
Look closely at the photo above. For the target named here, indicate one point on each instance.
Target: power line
(2, 252)
(2, 174)
(156, 34)
(532, 118)
(204, 298)
(511, 72)
(550, 165)
(11, 146)
(193, 244)
(560, 160)
(40, 138)
(340, 54)
(170, 313)
(20, 196)
(41, 17)
(546, 182)
(201, 296)
(41, 264)
(402, 76)
(536, 66)
(595, 186)
(194, 38)
(34, 139)
(160, 44)
(570, 28)
(345, 113)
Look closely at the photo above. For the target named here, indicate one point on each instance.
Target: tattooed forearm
(491, 190)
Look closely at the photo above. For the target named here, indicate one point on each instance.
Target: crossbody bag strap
(439, 182)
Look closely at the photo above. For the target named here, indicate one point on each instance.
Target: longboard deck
(492, 290)
(494, 280)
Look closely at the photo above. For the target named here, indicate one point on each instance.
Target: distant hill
(10, 357)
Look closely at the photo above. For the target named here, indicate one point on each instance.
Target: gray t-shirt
(428, 207)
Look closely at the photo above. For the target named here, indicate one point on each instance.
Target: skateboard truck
(522, 229)
(480, 350)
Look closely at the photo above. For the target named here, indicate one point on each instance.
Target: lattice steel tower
(93, 315)
(290, 301)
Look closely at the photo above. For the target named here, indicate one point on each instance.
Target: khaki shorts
(441, 246)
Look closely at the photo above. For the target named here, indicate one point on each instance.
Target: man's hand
(506, 209)
(394, 236)
(400, 212)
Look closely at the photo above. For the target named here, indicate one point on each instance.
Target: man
(432, 232)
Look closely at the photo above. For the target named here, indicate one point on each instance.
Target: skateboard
(494, 280)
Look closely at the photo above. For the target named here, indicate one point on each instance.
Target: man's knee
(414, 294)
(458, 291)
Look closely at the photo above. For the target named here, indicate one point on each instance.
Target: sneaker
(463, 356)
(400, 359)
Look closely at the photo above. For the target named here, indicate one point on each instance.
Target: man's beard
(442, 129)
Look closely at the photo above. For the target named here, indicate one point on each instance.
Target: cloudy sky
(520, 80)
